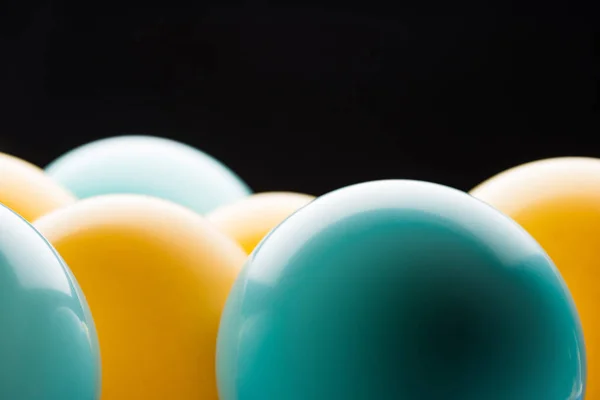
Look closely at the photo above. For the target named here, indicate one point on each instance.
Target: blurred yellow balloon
(27, 190)
(249, 220)
(156, 276)
(558, 202)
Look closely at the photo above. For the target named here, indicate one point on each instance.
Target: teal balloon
(48, 342)
(400, 290)
(151, 166)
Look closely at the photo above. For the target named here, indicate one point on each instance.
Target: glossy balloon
(150, 166)
(558, 202)
(27, 190)
(48, 343)
(156, 276)
(399, 290)
(249, 220)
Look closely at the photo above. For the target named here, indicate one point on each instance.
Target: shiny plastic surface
(48, 342)
(27, 190)
(156, 276)
(249, 220)
(151, 166)
(558, 202)
(399, 290)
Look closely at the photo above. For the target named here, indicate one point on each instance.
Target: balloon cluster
(140, 268)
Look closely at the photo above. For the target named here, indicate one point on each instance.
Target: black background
(306, 96)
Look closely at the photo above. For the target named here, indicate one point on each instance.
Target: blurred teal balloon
(150, 166)
(400, 290)
(48, 343)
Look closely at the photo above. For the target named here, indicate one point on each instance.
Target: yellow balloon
(27, 190)
(156, 276)
(249, 220)
(558, 202)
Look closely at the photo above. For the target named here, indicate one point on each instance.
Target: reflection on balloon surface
(48, 342)
(399, 289)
